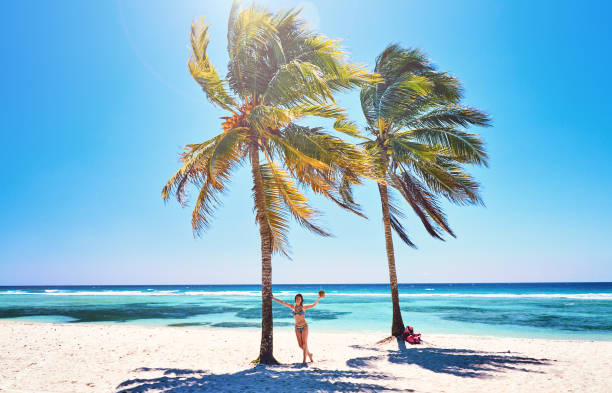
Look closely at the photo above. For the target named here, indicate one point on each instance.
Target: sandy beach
(39, 358)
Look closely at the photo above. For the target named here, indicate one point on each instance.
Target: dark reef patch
(557, 314)
(285, 313)
(279, 312)
(189, 324)
(570, 323)
(246, 324)
(115, 312)
(236, 324)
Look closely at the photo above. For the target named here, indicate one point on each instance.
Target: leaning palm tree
(419, 143)
(278, 72)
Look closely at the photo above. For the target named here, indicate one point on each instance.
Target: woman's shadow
(459, 362)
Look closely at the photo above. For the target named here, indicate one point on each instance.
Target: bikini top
(301, 312)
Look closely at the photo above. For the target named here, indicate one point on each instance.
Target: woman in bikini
(301, 327)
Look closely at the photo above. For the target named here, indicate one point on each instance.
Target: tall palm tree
(419, 142)
(278, 72)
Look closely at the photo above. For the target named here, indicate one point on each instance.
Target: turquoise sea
(550, 310)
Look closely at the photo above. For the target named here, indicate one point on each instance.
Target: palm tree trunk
(397, 327)
(265, 349)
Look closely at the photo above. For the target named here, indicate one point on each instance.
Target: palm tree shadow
(459, 362)
(292, 380)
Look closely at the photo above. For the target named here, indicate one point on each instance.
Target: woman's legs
(305, 344)
(298, 335)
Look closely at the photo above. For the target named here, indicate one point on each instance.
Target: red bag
(414, 339)
(411, 337)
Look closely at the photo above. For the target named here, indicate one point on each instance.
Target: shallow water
(550, 310)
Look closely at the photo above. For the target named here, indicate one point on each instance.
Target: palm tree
(420, 143)
(278, 72)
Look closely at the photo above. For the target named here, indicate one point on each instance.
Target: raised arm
(283, 303)
(307, 306)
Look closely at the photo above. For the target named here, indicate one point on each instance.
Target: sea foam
(575, 296)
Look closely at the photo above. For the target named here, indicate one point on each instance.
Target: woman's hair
(301, 297)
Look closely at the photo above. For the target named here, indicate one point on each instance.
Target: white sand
(39, 358)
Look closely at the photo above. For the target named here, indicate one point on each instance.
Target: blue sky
(97, 103)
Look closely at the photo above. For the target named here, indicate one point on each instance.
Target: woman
(301, 327)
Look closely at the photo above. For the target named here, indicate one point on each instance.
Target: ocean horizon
(557, 310)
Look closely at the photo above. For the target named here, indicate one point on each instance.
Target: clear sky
(97, 103)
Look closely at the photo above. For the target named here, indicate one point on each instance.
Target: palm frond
(448, 179)
(395, 61)
(338, 163)
(295, 154)
(423, 203)
(326, 184)
(451, 115)
(202, 69)
(229, 146)
(396, 215)
(293, 199)
(263, 118)
(347, 127)
(298, 82)
(352, 75)
(446, 88)
(207, 202)
(328, 111)
(207, 166)
(401, 71)
(315, 67)
(399, 94)
(194, 158)
(466, 147)
(254, 49)
(345, 192)
(402, 149)
(300, 145)
(369, 108)
(275, 212)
